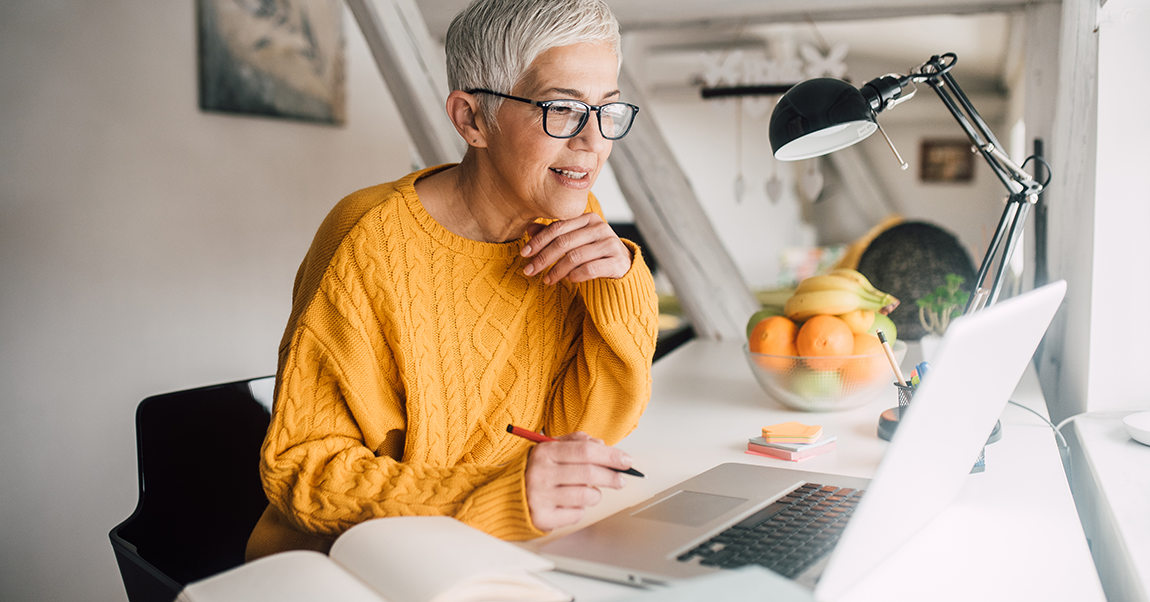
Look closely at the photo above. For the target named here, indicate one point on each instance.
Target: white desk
(1112, 485)
(1013, 533)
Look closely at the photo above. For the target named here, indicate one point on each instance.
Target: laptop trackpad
(690, 508)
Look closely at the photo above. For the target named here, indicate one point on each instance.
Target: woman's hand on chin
(578, 249)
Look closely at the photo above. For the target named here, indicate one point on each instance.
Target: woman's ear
(463, 110)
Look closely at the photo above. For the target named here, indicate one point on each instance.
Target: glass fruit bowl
(825, 384)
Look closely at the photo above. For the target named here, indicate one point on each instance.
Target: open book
(400, 559)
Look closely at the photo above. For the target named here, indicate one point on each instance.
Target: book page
(296, 576)
(439, 559)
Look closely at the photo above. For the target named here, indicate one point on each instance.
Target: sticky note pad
(792, 432)
(757, 442)
(794, 456)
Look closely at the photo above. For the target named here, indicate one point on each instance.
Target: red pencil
(541, 438)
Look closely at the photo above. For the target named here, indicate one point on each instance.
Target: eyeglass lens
(566, 118)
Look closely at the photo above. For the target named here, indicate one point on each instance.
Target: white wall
(754, 229)
(145, 247)
(1100, 211)
(1118, 333)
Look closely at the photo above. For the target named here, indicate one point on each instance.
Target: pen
(890, 356)
(541, 438)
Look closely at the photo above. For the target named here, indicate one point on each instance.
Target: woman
(432, 312)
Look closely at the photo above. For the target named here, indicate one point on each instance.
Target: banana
(839, 292)
(856, 276)
(889, 301)
(804, 305)
(830, 282)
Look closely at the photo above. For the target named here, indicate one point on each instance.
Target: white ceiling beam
(415, 73)
(864, 189)
(639, 14)
(690, 14)
(712, 292)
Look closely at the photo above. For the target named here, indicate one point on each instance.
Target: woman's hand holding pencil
(564, 476)
(541, 438)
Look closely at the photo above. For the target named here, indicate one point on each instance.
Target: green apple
(814, 384)
(886, 325)
(761, 315)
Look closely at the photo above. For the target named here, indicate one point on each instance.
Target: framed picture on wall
(944, 161)
(276, 58)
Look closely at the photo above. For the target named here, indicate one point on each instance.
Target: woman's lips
(573, 174)
(577, 178)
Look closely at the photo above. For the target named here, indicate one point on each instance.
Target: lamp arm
(1013, 177)
(1023, 190)
(979, 135)
(1022, 187)
(1012, 220)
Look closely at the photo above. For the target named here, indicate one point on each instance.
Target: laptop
(695, 527)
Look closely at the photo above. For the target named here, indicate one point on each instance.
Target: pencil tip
(511, 428)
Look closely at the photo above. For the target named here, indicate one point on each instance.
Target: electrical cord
(1064, 448)
(1057, 429)
(1097, 412)
(1038, 159)
(1070, 419)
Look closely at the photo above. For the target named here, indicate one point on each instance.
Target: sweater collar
(474, 248)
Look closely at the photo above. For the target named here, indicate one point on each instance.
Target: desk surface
(1013, 533)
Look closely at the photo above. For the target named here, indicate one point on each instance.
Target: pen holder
(889, 419)
(905, 394)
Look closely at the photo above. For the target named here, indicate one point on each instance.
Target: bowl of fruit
(822, 352)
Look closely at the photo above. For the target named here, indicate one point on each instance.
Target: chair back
(199, 486)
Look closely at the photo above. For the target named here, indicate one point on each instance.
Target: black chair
(200, 494)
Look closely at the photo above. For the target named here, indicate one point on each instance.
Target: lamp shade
(817, 117)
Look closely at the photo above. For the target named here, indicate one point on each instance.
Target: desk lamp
(820, 116)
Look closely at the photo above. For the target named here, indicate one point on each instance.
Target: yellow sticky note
(793, 432)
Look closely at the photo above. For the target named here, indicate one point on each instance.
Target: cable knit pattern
(410, 349)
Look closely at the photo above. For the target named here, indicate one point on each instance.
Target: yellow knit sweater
(410, 349)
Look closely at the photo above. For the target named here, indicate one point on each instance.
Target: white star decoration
(737, 67)
(831, 65)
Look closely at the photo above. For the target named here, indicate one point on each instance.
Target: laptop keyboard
(787, 536)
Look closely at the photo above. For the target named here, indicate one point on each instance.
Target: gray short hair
(492, 43)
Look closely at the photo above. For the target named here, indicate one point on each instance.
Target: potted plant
(936, 309)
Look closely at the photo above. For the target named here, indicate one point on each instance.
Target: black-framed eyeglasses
(566, 118)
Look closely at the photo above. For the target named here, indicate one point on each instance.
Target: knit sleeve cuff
(500, 507)
(623, 299)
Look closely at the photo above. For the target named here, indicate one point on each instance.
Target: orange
(774, 335)
(865, 369)
(825, 336)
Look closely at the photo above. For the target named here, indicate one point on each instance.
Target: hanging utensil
(774, 186)
(812, 180)
(740, 185)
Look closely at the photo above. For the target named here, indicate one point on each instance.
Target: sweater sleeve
(333, 456)
(606, 382)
